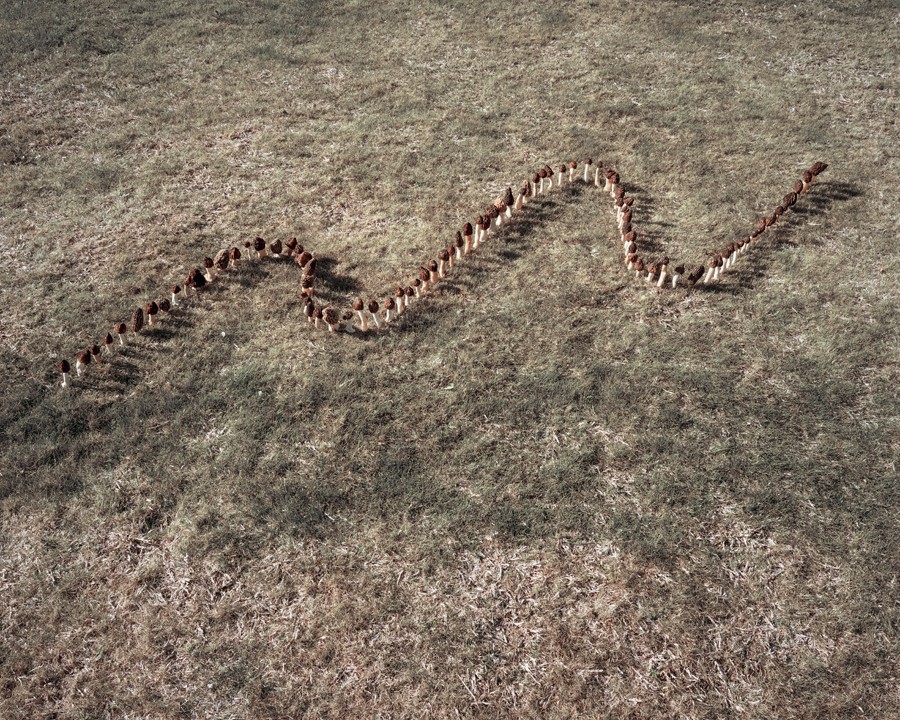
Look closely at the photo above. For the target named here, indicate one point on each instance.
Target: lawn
(551, 491)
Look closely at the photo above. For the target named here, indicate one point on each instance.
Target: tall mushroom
(120, 331)
(373, 311)
(389, 306)
(108, 343)
(573, 166)
(176, 291)
(137, 320)
(94, 350)
(443, 259)
(509, 201)
(663, 271)
(221, 259)
(433, 271)
(679, 271)
(331, 318)
(400, 295)
(587, 169)
(467, 231)
(459, 244)
(209, 269)
(359, 307)
(277, 249)
(260, 246)
(561, 173)
(234, 257)
(65, 369)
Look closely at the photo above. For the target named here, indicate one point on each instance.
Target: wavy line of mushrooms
(468, 239)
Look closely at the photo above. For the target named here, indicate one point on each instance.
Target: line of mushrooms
(378, 313)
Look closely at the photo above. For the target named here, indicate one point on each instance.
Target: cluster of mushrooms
(194, 283)
(375, 314)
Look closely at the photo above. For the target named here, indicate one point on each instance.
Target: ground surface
(553, 492)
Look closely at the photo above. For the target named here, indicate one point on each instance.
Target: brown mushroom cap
(679, 270)
(589, 161)
(292, 244)
(176, 289)
(304, 257)
(197, 278)
(433, 266)
(443, 255)
(807, 176)
(164, 305)
(467, 229)
(399, 292)
(94, 350)
(310, 268)
(572, 165)
(797, 187)
(121, 329)
(276, 247)
(409, 291)
(108, 340)
(151, 308)
(536, 178)
(348, 315)
(208, 262)
(221, 259)
(424, 275)
(389, 304)
(416, 283)
(84, 358)
(330, 315)
(562, 168)
(235, 254)
(458, 241)
(639, 265)
(259, 244)
(508, 198)
(818, 168)
(64, 366)
(373, 306)
(247, 245)
(317, 313)
(137, 320)
(358, 304)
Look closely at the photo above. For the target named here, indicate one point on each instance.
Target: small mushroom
(433, 271)
(65, 369)
(467, 231)
(164, 305)
(443, 259)
(561, 173)
(663, 271)
(818, 168)
(221, 259)
(679, 271)
(409, 292)
(651, 269)
(176, 291)
(806, 178)
(108, 343)
(292, 247)
(389, 306)
(307, 286)
(120, 331)
(424, 277)
(151, 310)
(316, 315)
(573, 166)
(209, 269)
(308, 308)
(248, 249)
(95, 352)
(459, 244)
(82, 361)
(417, 287)
(587, 169)
(260, 246)
(277, 249)
(303, 258)
(400, 295)
(234, 257)
(331, 318)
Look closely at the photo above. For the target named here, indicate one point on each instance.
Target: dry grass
(553, 494)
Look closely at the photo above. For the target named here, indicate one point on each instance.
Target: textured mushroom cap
(389, 304)
(176, 289)
(409, 291)
(467, 229)
(137, 320)
(121, 329)
(653, 268)
(358, 304)
(247, 244)
(416, 283)
(779, 211)
(620, 192)
(508, 198)
(761, 224)
(818, 167)
(307, 281)
(259, 244)
(630, 236)
(807, 176)
(151, 308)
(443, 255)
(639, 264)
(310, 268)
(221, 259)
(276, 247)
(317, 313)
(458, 242)
(572, 164)
(536, 177)
(797, 186)
(548, 170)
(348, 315)
(94, 350)
(64, 366)
(198, 279)
(164, 305)
(330, 315)
(308, 308)
(235, 253)
(788, 200)
(631, 257)
(664, 261)
(108, 340)
(292, 244)
(679, 270)
(562, 168)
(399, 292)
(207, 262)
(589, 161)
(614, 178)
(632, 248)
(303, 258)
(84, 357)
(424, 275)
(373, 306)
(493, 212)
(501, 208)
(433, 266)
(770, 220)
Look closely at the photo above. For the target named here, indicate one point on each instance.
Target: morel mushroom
(151, 310)
(82, 361)
(587, 168)
(234, 257)
(108, 343)
(137, 320)
(331, 318)
(120, 331)
(400, 295)
(663, 271)
(467, 231)
(94, 350)
(176, 291)
(459, 244)
(573, 166)
(65, 369)
(389, 306)
(359, 307)
(209, 269)
(679, 271)
(260, 246)
(443, 259)
(433, 271)
(373, 311)
(276, 249)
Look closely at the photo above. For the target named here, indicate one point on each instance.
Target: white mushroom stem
(630, 265)
(121, 338)
(499, 221)
(174, 299)
(78, 366)
(387, 315)
(375, 319)
(717, 274)
(649, 276)
(417, 291)
(363, 325)
(508, 213)
(520, 201)
(467, 248)
(675, 277)
(450, 261)
(459, 253)
(210, 275)
(587, 170)
(708, 276)
(441, 271)
(559, 178)
(401, 306)
(597, 177)
(150, 319)
(571, 174)
(662, 277)
(65, 382)
(107, 348)
(541, 189)
(607, 185)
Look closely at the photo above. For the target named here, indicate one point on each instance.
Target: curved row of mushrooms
(196, 281)
(378, 313)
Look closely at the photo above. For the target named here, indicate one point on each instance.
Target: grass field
(552, 492)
